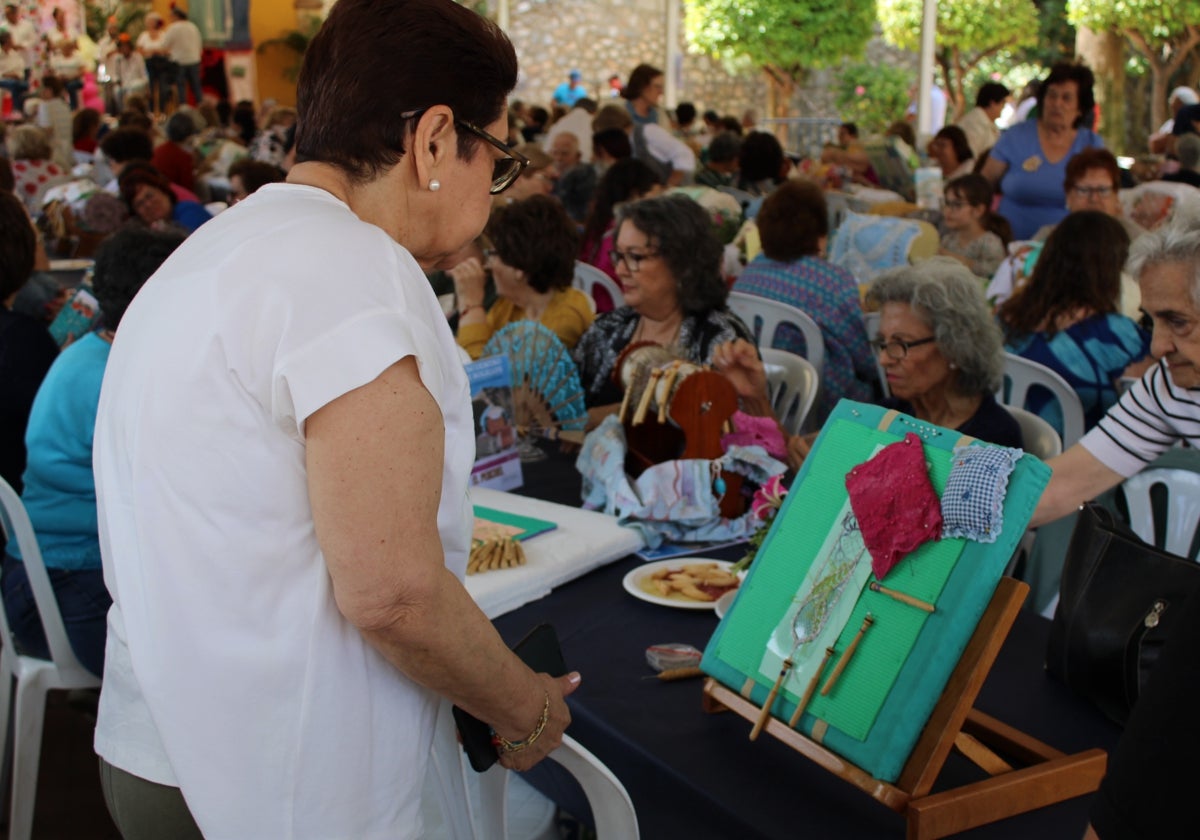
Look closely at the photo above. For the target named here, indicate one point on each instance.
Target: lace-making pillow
(973, 501)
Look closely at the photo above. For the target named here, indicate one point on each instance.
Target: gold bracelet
(505, 746)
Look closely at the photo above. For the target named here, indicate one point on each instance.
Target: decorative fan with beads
(547, 395)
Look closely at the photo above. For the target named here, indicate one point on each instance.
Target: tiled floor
(69, 803)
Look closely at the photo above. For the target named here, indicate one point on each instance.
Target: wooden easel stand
(1050, 775)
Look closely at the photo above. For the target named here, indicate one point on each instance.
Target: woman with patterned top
(793, 225)
(669, 262)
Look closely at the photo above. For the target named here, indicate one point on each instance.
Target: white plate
(723, 603)
(633, 580)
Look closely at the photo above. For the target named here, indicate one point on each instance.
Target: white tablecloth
(584, 540)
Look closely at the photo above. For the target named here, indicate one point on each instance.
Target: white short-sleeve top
(229, 670)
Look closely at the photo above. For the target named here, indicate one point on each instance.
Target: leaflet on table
(669, 550)
(497, 461)
(490, 523)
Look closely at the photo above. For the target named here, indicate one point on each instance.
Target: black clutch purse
(1118, 602)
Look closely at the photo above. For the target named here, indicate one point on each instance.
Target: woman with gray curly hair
(669, 262)
(941, 350)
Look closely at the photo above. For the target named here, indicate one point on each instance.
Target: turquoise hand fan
(547, 394)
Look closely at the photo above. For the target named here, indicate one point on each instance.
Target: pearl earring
(435, 185)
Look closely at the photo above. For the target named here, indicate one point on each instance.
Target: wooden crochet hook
(845, 660)
(811, 690)
(876, 586)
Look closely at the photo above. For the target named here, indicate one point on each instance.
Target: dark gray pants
(145, 810)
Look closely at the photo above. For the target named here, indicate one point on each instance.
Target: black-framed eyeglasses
(632, 261)
(1092, 192)
(505, 170)
(897, 348)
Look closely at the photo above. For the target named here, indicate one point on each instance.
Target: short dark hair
(140, 120)
(792, 221)
(1079, 267)
(681, 231)
(685, 113)
(52, 82)
(125, 144)
(255, 174)
(1092, 157)
(124, 262)
(180, 127)
(732, 124)
(639, 80)
(537, 236)
(17, 245)
(614, 142)
(990, 94)
(711, 116)
(761, 157)
(1083, 78)
(724, 148)
(373, 60)
(958, 139)
(139, 174)
(85, 121)
(851, 128)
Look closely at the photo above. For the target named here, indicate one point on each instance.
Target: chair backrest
(16, 525)
(1176, 517)
(588, 277)
(871, 324)
(1038, 436)
(764, 316)
(1021, 374)
(793, 390)
(612, 809)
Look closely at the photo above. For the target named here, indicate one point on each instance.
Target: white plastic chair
(764, 316)
(793, 390)
(612, 809)
(1021, 374)
(1181, 512)
(588, 277)
(33, 677)
(1038, 436)
(871, 321)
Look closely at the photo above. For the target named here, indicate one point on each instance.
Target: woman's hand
(740, 363)
(798, 447)
(469, 281)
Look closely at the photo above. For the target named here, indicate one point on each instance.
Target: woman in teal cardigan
(60, 492)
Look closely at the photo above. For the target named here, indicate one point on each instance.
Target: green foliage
(966, 26)
(873, 96)
(1158, 22)
(785, 37)
(129, 15)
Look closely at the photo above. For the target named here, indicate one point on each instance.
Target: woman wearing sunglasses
(283, 448)
(669, 262)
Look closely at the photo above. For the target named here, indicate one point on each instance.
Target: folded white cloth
(584, 540)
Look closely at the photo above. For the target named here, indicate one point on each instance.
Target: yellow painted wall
(268, 19)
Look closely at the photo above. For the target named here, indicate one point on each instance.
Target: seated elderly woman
(793, 225)
(151, 199)
(940, 349)
(669, 261)
(532, 263)
(34, 172)
(60, 492)
(1093, 182)
(1066, 315)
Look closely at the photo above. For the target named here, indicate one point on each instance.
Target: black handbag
(1118, 601)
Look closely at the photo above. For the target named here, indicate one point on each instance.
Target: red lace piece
(894, 502)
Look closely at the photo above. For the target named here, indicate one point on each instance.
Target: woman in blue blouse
(1028, 163)
(60, 492)
(1066, 317)
(793, 225)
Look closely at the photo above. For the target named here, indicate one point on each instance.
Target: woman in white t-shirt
(282, 458)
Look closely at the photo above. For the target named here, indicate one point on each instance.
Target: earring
(435, 185)
(953, 366)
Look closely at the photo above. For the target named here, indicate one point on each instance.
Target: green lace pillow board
(879, 704)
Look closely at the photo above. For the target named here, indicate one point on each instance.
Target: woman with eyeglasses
(940, 349)
(1028, 162)
(951, 151)
(282, 457)
(669, 263)
(532, 262)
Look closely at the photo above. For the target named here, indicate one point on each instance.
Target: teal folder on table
(878, 706)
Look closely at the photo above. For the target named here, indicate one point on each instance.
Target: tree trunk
(781, 86)
(1104, 52)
